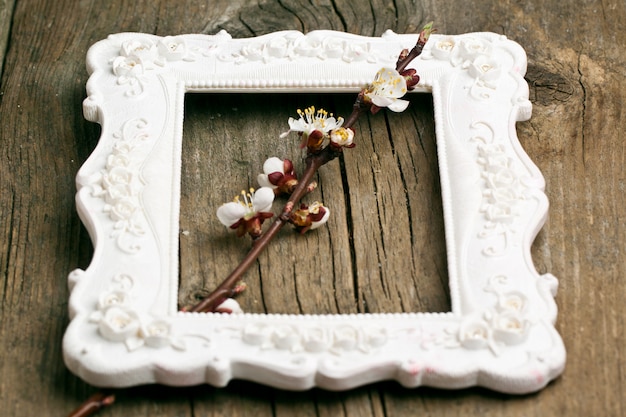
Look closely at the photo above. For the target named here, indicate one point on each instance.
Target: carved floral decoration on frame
(118, 321)
(506, 323)
(337, 339)
(474, 55)
(120, 184)
(505, 189)
(141, 58)
(295, 45)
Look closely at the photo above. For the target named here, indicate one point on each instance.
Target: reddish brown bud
(412, 79)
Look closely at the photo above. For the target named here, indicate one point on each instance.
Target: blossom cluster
(247, 212)
(319, 131)
(324, 137)
(318, 128)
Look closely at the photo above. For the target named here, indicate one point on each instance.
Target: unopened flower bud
(427, 30)
(411, 77)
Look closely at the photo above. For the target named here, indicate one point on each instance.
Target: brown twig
(94, 403)
(225, 289)
(417, 49)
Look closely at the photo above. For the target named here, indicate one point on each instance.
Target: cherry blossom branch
(370, 98)
(225, 289)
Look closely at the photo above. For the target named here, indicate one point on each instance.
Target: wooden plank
(575, 77)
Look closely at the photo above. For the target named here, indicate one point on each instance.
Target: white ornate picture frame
(125, 329)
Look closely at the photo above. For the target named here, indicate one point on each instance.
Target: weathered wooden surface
(384, 248)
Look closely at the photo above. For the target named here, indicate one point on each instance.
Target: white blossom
(386, 89)
(271, 166)
(311, 120)
(247, 214)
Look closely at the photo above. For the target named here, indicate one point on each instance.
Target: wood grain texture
(383, 249)
(6, 14)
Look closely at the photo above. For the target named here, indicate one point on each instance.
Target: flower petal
(273, 164)
(299, 125)
(264, 181)
(398, 105)
(323, 220)
(381, 101)
(262, 199)
(230, 213)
